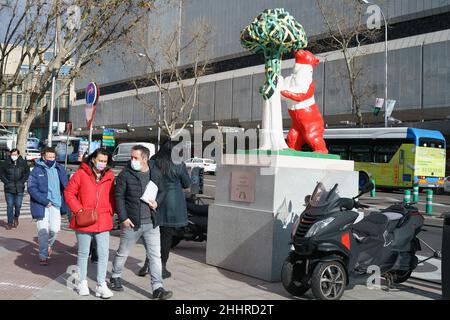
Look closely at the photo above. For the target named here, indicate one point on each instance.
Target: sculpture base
(290, 152)
(253, 237)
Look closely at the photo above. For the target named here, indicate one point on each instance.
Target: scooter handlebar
(360, 205)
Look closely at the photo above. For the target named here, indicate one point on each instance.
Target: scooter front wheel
(291, 278)
(328, 280)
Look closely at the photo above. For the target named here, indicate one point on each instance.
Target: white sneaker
(102, 291)
(83, 289)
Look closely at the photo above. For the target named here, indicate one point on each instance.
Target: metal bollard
(373, 192)
(445, 260)
(416, 193)
(407, 196)
(429, 205)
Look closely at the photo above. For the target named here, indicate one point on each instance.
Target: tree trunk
(360, 117)
(24, 128)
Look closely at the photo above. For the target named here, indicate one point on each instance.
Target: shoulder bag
(87, 217)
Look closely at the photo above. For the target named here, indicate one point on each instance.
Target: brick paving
(21, 276)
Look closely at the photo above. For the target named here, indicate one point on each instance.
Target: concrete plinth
(253, 237)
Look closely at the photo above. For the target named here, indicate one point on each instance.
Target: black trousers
(166, 242)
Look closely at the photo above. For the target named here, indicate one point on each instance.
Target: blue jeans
(128, 238)
(13, 201)
(84, 243)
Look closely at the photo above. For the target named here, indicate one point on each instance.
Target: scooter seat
(200, 210)
(392, 216)
(372, 225)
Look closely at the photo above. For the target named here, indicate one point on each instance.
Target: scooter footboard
(405, 261)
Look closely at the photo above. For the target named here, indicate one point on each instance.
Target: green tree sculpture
(273, 32)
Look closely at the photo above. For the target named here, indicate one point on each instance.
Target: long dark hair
(164, 158)
(93, 155)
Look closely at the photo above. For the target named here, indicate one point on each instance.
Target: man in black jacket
(14, 173)
(138, 218)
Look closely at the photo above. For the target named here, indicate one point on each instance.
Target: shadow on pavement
(3, 224)
(191, 250)
(197, 251)
(406, 288)
(132, 264)
(63, 256)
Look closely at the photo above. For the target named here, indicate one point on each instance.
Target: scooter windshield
(322, 197)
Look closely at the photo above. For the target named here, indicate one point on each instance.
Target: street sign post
(92, 97)
(378, 106)
(108, 138)
(390, 107)
(68, 133)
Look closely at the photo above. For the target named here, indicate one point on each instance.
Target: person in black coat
(172, 212)
(138, 218)
(14, 174)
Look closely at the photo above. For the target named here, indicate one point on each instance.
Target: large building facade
(418, 69)
(13, 101)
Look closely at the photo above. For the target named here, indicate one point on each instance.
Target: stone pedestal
(253, 237)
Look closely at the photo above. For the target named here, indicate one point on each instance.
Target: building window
(19, 100)
(18, 116)
(58, 85)
(1, 100)
(9, 100)
(61, 102)
(19, 88)
(8, 116)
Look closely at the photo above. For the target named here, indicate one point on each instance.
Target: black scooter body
(385, 240)
(197, 227)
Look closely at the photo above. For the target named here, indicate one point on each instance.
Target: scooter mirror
(367, 187)
(307, 198)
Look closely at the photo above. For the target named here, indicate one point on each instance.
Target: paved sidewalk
(21, 276)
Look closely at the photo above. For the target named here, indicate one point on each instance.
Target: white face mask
(136, 165)
(14, 158)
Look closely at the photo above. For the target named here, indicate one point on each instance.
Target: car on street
(32, 154)
(447, 184)
(122, 153)
(208, 165)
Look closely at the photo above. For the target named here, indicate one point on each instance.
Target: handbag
(87, 217)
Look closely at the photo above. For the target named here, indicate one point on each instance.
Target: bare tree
(83, 29)
(348, 32)
(163, 53)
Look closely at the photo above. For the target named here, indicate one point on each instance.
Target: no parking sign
(92, 97)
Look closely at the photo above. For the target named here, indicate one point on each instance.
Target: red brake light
(345, 239)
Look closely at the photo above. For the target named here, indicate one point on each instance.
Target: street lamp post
(386, 58)
(159, 109)
(52, 102)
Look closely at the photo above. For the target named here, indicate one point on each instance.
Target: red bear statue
(307, 122)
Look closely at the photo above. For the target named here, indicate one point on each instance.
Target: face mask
(49, 163)
(136, 165)
(100, 166)
(14, 158)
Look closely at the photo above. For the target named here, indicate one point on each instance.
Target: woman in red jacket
(92, 187)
